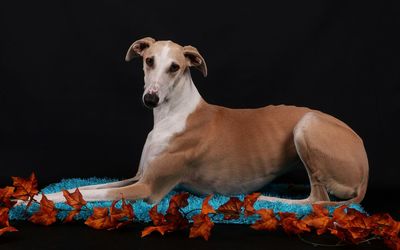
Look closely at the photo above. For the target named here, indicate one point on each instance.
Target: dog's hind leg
(335, 160)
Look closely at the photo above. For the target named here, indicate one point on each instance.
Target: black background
(70, 106)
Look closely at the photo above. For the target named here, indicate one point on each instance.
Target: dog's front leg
(160, 177)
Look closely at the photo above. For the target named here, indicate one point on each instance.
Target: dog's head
(164, 63)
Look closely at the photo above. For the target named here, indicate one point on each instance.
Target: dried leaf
(268, 220)
(47, 213)
(160, 229)
(392, 243)
(202, 226)
(318, 219)
(125, 212)
(292, 225)
(4, 217)
(177, 221)
(71, 215)
(7, 229)
(157, 218)
(5, 196)
(25, 189)
(248, 203)
(4, 223)
(104, 218)
(100, 219)
(74, 199)
(352, 226)
(231, 209)
(177, 201)
(384, 225)
(207, 208)
(173, 219)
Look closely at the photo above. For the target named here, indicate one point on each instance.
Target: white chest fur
(169, 119)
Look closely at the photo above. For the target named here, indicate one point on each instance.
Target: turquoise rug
(141, 208)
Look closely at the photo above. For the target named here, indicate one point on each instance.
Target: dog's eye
(174, 67)
(150, 61)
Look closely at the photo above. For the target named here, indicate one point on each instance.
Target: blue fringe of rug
(141, 208)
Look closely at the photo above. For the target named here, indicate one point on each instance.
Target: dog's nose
(151, 100)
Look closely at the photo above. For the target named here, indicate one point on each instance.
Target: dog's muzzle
(151, 100)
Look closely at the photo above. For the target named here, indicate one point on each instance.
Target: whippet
(208, 149)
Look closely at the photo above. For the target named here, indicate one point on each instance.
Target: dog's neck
(181, 101)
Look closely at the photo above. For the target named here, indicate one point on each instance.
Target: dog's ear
(138, 47)
(194, 59)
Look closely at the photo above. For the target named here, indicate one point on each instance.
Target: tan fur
(222, 147)
(212, 149)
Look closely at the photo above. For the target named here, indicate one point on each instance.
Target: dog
(210, 149)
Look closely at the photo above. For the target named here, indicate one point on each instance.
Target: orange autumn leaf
(292, 225)
(352, 226)
(207, 208)
(100, 219)
(268, 220)
(25, 188)
(202, 226)
(104, 218)
(177, 201)
(318, 219)
(231, 209)
(125, 212)
(160, 229)
(248, 203)
(47, 213)
(4, 223)
(5, 196)
(392, 243)
(74, 199)
(71, 215)
(173, 219)
(384, 225)
(156, 217)
(339, 215)
(7, 230)
(202, 223)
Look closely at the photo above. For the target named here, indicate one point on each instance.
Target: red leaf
(268, 220)
(103, 218)
(292, 225)
(5, 195)
(352, 226)
(173, 220)
(100, 219)
(202, 226)
(4, 223)
(47, 213)
(157, 218)
(318, 219)
(25, 188)
(231, 209)
(160, 229)
(74, 199)
(207, 208)
(248, 203)
(4, 217)
(177, 201)
(392, 243)
(7, 229)
(71, 216)
(126, 211)
(384, 225)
